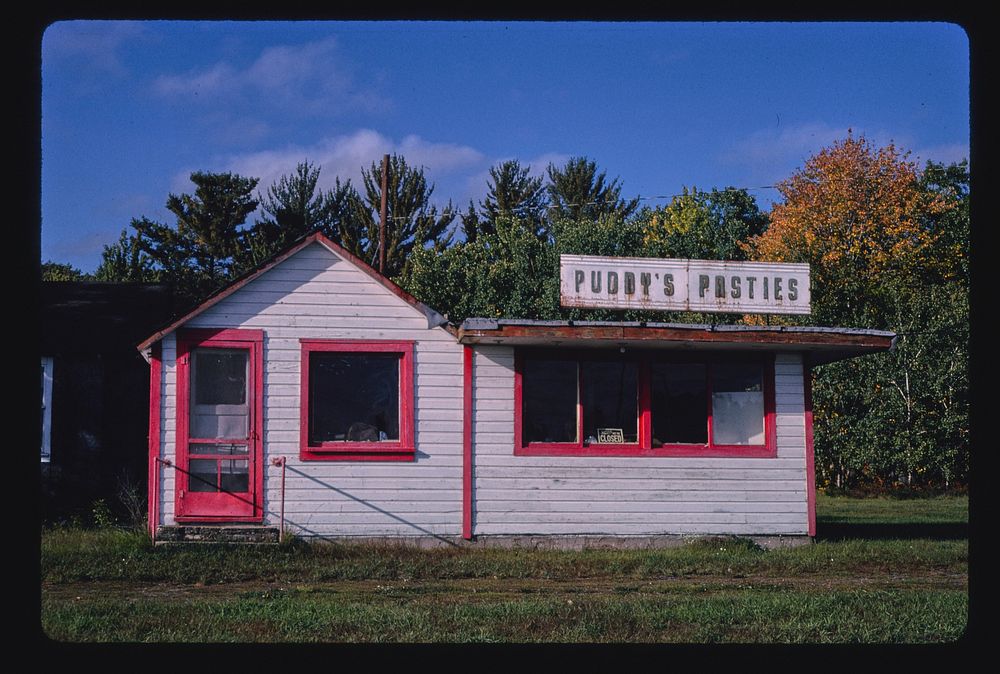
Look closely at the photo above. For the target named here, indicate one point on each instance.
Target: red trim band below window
(644, 445)
(402, 449)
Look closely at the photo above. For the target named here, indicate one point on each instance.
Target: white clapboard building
(316, 394)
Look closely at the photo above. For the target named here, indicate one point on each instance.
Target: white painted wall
(632, 495)
(315, 294)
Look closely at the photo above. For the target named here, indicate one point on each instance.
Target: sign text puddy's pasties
(683, 285)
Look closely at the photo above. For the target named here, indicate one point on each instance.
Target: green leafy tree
(125, 262)
(57, 271)
(199, 254)
(504, 272)
(578, 192)
(293, 206)
(900, 417)
(413, 222)
(702, 225)
(948, 225)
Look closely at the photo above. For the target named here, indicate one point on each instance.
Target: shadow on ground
(887, 531)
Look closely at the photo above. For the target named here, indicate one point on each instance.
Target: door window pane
(220, 376)
(203, 475)
(737, 404)
(549, 394)
(678, 407)
(219, 393)
(235, 476)
(353, 397)
(610, 394)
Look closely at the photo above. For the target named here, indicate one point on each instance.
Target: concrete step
(216, 533)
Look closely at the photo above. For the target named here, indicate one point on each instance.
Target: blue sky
(130, 109)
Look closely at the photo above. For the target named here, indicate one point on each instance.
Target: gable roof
(434, 318)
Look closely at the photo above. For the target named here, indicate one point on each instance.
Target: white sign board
(683, 285)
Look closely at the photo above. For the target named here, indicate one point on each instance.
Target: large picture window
(357, 400)
(643, 404)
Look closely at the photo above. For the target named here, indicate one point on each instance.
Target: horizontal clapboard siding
(316, 295)
(632, 495)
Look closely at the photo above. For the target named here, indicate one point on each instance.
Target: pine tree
(293, 207)
(412, 220)
(577, 191)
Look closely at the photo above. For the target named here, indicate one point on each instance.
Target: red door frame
(253, 341)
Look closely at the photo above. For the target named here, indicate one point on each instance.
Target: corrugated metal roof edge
(495, 323)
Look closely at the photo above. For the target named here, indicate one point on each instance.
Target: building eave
(819, 344)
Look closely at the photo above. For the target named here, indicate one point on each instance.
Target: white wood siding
(632, 495)
(315, 294)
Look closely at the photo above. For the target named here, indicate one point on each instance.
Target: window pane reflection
(610, 400)
(549, 393)
(678, 406)
(737, 404)
(353, 397)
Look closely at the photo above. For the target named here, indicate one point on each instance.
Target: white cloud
(946, 154)
(219, 79)
(458, 172)
(345, 156)
(307, 79)
(772, 154)
(780, 146)
(93, 44)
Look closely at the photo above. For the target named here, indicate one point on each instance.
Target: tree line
(887, 243)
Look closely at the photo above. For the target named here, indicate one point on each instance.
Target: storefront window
(644, 404)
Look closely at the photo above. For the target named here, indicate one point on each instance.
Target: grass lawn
(898, 586)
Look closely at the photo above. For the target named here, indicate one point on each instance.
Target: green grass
(887, 510)
(113, 586)
(114, 556)
(682, 614)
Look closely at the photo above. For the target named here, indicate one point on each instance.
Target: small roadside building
(94, 390)
(316, 393)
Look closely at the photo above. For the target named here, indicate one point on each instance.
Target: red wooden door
(219, 471)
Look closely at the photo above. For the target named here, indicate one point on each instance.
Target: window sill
(358, 453)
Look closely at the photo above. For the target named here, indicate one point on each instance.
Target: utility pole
(381, 227)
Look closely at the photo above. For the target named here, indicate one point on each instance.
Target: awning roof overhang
(819, 345)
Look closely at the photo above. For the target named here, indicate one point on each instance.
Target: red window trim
(402, 450)
(187, 340)
(644, 446)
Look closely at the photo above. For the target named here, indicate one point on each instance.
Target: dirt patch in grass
(464, 589)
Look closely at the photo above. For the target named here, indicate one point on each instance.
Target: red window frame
(402, 450)
(644, 445)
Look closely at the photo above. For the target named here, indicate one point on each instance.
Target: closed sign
(683, 285)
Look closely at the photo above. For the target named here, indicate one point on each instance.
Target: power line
(636, 198)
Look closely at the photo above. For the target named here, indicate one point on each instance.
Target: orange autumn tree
(887, 247)
(858, 215)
